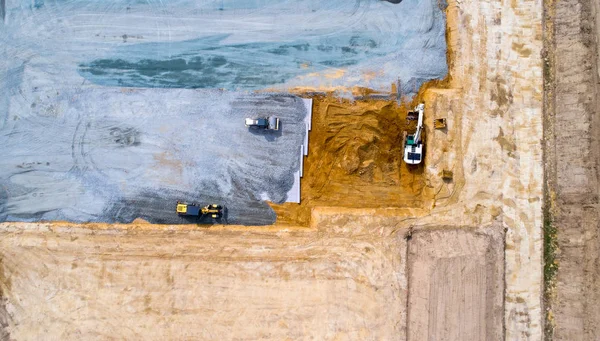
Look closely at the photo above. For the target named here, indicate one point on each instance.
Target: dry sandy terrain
(494, 105)
(355, 160)
(193, 286)
(352, 274)
(344, 280)
(573, 157)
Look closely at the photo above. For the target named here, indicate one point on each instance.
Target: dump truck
(267, 123)
(413, 145)
(212, 210)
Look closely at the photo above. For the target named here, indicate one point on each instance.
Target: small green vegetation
(550, 269)
(550, 248)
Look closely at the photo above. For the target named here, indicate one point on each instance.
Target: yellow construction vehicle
(439, 123)
(185, 209)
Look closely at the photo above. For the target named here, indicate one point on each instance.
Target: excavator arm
(420, 108)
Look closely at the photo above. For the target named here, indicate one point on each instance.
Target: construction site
(294, 170)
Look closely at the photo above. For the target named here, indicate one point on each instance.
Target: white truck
(269, 123)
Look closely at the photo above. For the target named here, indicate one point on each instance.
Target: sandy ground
(325, 283)
(573, 154)
(355, 160)
(494, 108)
(190, 286)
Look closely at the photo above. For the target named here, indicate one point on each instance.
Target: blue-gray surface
(108, 155)
(64, 64)
(235, 44)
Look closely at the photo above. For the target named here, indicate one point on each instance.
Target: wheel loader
(213, 210)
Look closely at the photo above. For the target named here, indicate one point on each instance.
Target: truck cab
(268, 123)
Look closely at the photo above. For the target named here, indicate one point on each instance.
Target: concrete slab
(294, 193)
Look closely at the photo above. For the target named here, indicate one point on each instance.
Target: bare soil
(81, 285)
(344, 280)
(455, 280)
(355, 159)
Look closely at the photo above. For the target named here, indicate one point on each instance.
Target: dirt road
(572, 168)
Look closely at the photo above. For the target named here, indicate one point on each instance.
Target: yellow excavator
(213, 210)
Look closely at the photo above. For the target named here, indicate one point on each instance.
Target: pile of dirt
(355, 159)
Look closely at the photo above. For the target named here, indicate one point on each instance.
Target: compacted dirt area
(172, 286)
(450, 285)
(573, 169)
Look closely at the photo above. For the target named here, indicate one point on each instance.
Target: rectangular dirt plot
(455, 286)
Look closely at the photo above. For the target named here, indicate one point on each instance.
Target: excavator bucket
(412, 116)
